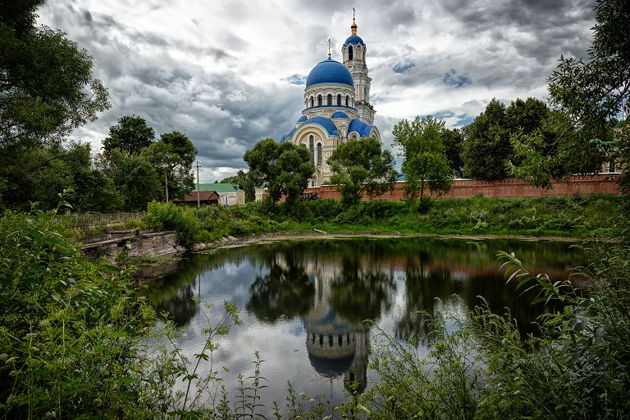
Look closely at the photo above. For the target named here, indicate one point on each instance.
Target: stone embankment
(136, 243)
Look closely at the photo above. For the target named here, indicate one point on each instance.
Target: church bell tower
(354, 51)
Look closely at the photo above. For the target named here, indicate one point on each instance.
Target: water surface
(303, 302)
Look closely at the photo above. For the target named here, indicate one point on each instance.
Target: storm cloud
(229, 73)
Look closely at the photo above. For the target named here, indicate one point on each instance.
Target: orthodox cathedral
(336, 106)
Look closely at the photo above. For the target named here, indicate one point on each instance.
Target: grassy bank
(574, 216)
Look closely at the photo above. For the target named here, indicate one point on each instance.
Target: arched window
(329, 99)
(319, 154)
(312, 102)
(340, 340)
(311, 148)
(319, 100)
(330, 341)
(347, 100)
(350, 52)
(321, 340)
(358, 52)
(339, 100)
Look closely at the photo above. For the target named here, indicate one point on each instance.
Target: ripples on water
(303, 302)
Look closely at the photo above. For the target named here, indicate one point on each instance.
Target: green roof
(218, 187)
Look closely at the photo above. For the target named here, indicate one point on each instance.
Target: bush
(68, 339)
(170, 216)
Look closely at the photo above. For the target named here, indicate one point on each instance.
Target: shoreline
(302, 236)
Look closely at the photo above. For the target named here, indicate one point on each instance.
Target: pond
(303, 302)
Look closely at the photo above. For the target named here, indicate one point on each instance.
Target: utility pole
(166, 185)
(198, 199)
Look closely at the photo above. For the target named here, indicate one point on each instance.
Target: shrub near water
(67, 341)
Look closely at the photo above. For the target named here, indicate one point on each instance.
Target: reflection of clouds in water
(286, 285)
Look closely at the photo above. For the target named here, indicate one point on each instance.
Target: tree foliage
(425, 163)
(281, 167)
(136, 178)
(41, 173)
(596, 92)
(453, 140)
(173, 156)
(360, 166)
(46, 83)
(487, 146)
(130, 135)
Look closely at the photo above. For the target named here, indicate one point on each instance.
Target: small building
(204, 198)
(229, 194)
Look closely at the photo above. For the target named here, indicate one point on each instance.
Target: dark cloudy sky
(228, 73)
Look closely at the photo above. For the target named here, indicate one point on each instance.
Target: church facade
(336, 106)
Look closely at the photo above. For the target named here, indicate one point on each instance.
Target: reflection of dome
(329, 71)
(331, 368)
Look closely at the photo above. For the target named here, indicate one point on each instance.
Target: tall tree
(596, 92)
(425, 164)
(281, 167)
(362, 167)
(46, 83)
(453, 140)
(136, 178)
(487, 146)
(173, 157)
(130, 135)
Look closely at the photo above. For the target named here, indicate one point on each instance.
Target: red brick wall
(507, 188)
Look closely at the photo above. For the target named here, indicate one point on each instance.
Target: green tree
(596, 92)
(525, 116)
(281, 167)
(46, 83)
(40, 173)
(553, 151)
(487, 146)
(130, 135)
(173, 157)
(453, 140)
(360, 166)
(136, 178)
(425, 164)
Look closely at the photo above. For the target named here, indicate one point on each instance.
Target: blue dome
(329, 71)
(360, 127)
(354, 40)
(324, 122)
(302, 118)
(339, 114)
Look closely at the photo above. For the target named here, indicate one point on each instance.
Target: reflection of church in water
(335, 346)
